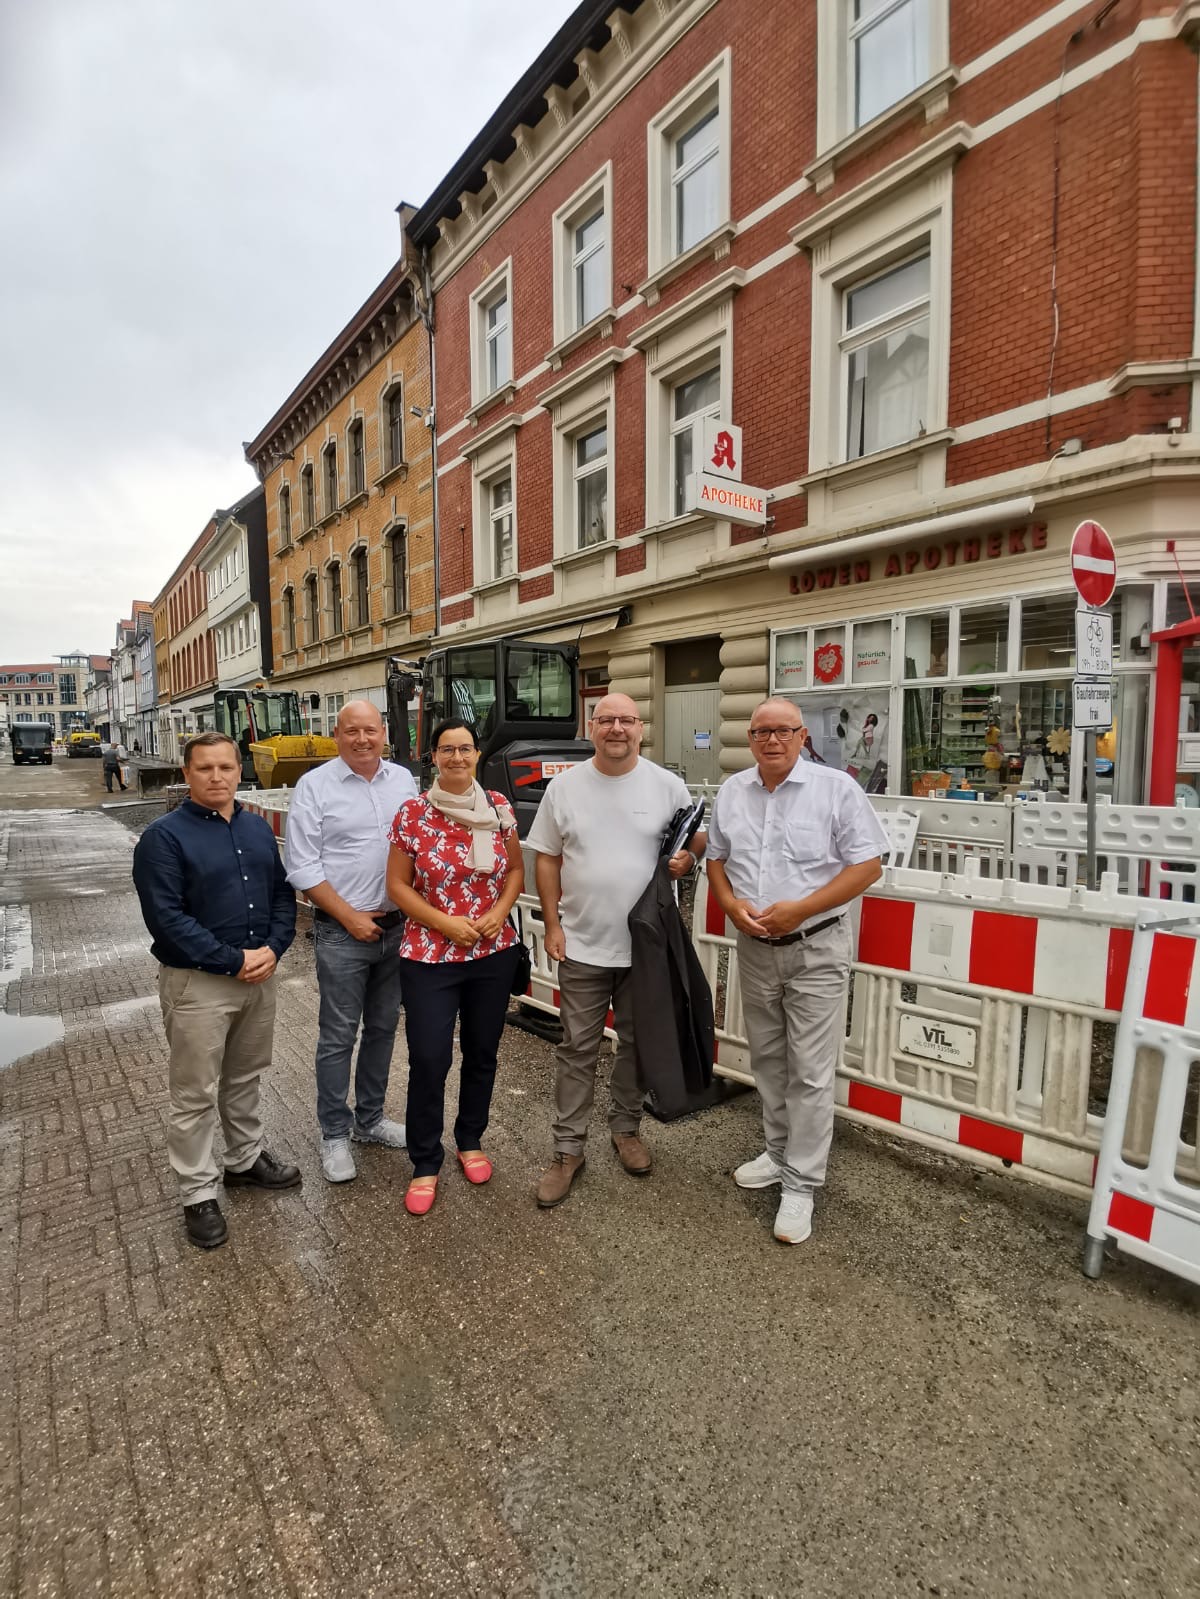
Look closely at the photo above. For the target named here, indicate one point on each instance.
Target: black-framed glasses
(760, 735)
(615, 721)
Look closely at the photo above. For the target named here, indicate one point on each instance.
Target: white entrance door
(691, 733)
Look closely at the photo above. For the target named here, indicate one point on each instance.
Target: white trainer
(336, 1160)
(793, 1219)
(760, 1172)
(389, 1134)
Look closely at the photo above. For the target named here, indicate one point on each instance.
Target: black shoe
(205, 1224)
(266, 1172)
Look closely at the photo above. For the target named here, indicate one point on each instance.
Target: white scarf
(473, 810)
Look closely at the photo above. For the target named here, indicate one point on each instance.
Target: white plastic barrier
(271, 804)
(1147, 1190)
(1154, 850)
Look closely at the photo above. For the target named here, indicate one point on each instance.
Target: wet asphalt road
(639, 1392)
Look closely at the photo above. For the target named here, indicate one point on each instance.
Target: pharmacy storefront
(970, 692)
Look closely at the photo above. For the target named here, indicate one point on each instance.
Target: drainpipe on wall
(426, 313)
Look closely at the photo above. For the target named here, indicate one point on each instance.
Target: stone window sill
(400, 470)
(871, 465)
(599, 327)
(490, 402)
(932, 97)
(594, 552)
(714, 247)
(360, 498)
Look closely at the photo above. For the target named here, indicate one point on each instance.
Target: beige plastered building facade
(346, 463)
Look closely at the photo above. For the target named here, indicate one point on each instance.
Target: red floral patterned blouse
(440, 849)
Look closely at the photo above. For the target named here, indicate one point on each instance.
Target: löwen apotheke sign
(963, 551)
(717, 488)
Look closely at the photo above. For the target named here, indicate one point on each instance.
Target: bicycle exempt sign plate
(1093, 643)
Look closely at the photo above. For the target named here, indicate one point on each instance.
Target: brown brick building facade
(346, 463)
(938, 263)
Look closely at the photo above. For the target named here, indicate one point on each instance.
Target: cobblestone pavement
(639, 1392)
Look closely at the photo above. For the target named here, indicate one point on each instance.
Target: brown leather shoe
(557, 1179)
(632, 1154)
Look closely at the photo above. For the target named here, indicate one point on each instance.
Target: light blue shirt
(337, 830)
(789, 843)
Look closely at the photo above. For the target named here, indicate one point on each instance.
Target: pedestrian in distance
(597, 834)
(114, 757)
(137, 748)
(790, 845)
(455, 870)
(221, 914)
(336, 852)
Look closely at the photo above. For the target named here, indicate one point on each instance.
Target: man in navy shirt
(222, 914)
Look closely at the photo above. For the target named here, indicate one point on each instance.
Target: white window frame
(849, 252)
(493, 455)
(495, 285)
(579, 475)
(692, 423)
(595, 194)
(836, 89)
(710, 87)
(496, 514)
(850, 341)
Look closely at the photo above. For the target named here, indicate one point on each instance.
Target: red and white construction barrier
(1149, 1205)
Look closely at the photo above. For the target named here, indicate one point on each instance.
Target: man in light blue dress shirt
(790, 844)
(336, 852)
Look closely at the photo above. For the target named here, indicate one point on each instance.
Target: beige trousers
(220, 1033)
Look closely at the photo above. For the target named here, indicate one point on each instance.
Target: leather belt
(799, 937)
(384, 923)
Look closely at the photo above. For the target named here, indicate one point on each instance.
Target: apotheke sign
(717, 488)
(928, 558)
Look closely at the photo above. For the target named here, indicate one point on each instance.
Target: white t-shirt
(608, 831)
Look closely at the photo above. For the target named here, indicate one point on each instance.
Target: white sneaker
(760, 1172)
(389, 1134)
(793, 1219)
(336, 1160)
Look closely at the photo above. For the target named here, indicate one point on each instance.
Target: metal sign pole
(1089, 752)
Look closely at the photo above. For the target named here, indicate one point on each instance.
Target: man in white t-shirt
(597, 835)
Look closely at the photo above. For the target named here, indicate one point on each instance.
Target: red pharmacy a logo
(723, 453)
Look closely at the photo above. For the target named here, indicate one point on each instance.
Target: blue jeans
(436, 993)
(358, 983)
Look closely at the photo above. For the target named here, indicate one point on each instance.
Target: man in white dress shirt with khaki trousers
(790, 845)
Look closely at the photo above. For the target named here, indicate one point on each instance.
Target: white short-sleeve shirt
(608, 831)
(788, 843)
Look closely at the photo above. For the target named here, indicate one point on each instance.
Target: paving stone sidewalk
(639, 1392)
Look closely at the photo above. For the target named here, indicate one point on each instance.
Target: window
(311, 613)
(335, 599)
(582, 231)
(889, 53)
(500, 523)
(330, 470)
(498, 359)
(691, 401)
(589, 267)
(688, 169)
(885, 358)
(308, 499)
(398, 570)
(590, 454)
(23, 677)
(362, 588)
(45, 677)
(491, 334)
(289, 619)
(395, 428)
(358, 464)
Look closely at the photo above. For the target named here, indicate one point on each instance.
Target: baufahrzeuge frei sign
(717, 488)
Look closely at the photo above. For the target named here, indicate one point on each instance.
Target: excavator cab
(520, 695)
(268, 730)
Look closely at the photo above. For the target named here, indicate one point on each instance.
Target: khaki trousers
(586, 994)
(794, 1007)
(220, 1033)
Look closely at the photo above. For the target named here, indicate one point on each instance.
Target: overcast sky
(195, 195)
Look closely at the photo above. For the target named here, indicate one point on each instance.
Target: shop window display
(988, 739)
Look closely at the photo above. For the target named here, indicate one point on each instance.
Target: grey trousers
(220, 1033)
(585, 995)
(794, 1006)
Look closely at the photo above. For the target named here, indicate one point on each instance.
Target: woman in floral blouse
(455, 871)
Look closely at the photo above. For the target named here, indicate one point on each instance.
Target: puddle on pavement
(16, 941)
(21, 1035)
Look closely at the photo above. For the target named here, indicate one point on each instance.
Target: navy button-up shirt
(211, 889)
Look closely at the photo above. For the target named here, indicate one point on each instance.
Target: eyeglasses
(455, 749)
(760, 735)
(615, 721)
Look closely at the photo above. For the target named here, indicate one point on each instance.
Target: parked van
(32, 742)
(83, 742)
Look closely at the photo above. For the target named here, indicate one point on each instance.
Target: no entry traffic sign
(1093, 564)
